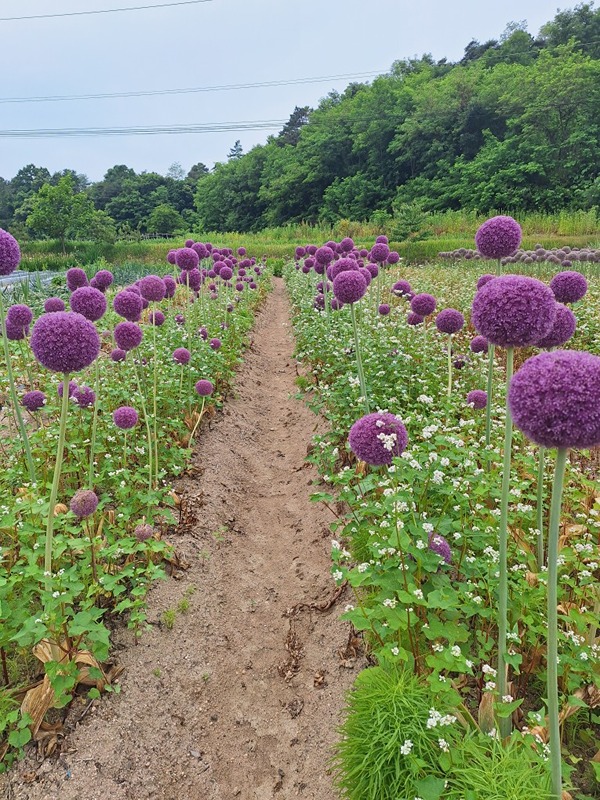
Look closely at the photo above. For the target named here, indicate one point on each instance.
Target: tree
(236, 151)
(580, 24)
(164, 219)
(176, 171)
(196, 172)
(57, 209)
(290, 133)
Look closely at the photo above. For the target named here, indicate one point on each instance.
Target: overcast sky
(216, 43)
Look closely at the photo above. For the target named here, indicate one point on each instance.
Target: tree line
(514, 125)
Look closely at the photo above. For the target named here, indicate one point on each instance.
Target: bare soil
(241, 698)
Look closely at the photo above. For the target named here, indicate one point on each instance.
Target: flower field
(459, 540)
(103, 390)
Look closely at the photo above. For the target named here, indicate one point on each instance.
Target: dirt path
(241, 698)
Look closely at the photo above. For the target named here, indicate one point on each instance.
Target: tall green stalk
(94, 426)
(154, 398)
(60, 449)
(147, 421)
(450, 365)
(505, 722)
(490, 389)
(552, 667)
(13, 395)
(359, 364)
(540, 507)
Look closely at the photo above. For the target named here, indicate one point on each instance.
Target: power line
(105, 10)
(189, 90)
(150, 130)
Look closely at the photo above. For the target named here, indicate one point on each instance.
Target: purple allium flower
(477, 398)
(377, 438)
(128, 335)
(76, 278)
(366, 274)
(324, 256)
(65, 341)
(498, 237)
(252, 285)
(83, 503)
(562, 329)
(88, 302)
(156, 318)
(479, 344)
(554, 399)
(373, 269)
(569, 287)
(19, 315)
(171, 256)
(380, 252)
(382, 239)
(438, 544)
(129, 305)
(191, 278)
(384, 309)
(143, 532)
(34, 400)
(349, 286)
(170, 285)
(189, 242)
(84, 396)
(226, 273)
(300, 252)
(414, 319)
(118, 354)
(203, 333)
(346, 245)
(54, 304)
(449, 321)
(204, 388)
(152, 288)
(182, 355)
(342, 265)
(401, 288)
(104, 279)
(514, 311)
(10, 253)
(335, 304)
(201, 250)
(179, 319)
(125, 417)
(186, 258)
(241, 251)
(423, 304)
(393, 257)
(15, 333)
(484, 279)
(215, 344)
(72, 388)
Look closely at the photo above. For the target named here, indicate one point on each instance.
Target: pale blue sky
(216, 43)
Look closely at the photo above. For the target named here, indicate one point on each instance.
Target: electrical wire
(104, 11)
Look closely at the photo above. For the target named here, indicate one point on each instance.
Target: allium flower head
(19, 316)
(15, 333)
(54, 304)
(83, 503)
(423, 304)
(569, 286)
(128, 335)
(346, 245)
(562, 329)
(84, 396)
(10, 253)
(143, 532)
(200, 249)
(401, 288)
(189, 242)
(366, 274)
(324, 255)
(118, 354)
(65, 341)
(129, 305)
(104, 279)
(186, 258)
(393, 257)
(483, 279)
(380, 252)
(226, 273)
(204, 388)
(125, 417)
(477, 398)
(152, 287)
(377, 438)
(88, 302)
(384, 309)
(414, 319)
(182, 355)
(76, 278)
(349, 286)
(382, 239)
(215, 343)
(449, 321)
(342, 265)
(554, 399)
(170, 285)
(156, 318)
(438, 544)
(34, 400)
(498, 237)
(479, 344)
(72, 388)
(514, 311)
(300, 252)
(171, 255)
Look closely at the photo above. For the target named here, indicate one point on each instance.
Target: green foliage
(165, 219)
(56, 210)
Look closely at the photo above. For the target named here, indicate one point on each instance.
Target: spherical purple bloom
(76, 278)
(65, 341)
(384, 309)
(498, 237)
(393, 257)
(191, 278)
(438, 544)
(226, 273)
(72, 388)
(182, 355)
(215, 343)
(19, 315)
(300, 252)
(16, 333)
(366, 274)
(152, 288)
(84, 396)
(156, 318)
(479, 344)
(335, 304)
(401, 288)
(170, 285)
(346, 245)
(324, 255)
(349, 286)
(204, 388)
(200, 249)
(342, 265)
(34, 400)
(128, 335)
(104, 279)
(414, 319)
(554, 399)
(423, 304)
(171, 256)
(241, 251)
(54, 304)
(186, 258)
(382, 239)
(88, 302)
(562, 329)
(449, 321)
(10, 253)
(377, 438)
(514, 311)
(569, 286)
(129, 305)
(477, 398)
(143, 532)
(118, 354)
(380, 252)
(485, 279)
(203, 333)
(83, 503)
(189, 242)
(125, 417)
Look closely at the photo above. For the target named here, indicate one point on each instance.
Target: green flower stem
(552, 680)
(147, 421)
(325, 294)
(94, 426)
(540, 508)
(60, 448)
(13, 395)
(188, 327)
(450, 365)
(490, 389)
(359, 364)
(505, 723)
(26, 363)
(154, 399)
(197, 422)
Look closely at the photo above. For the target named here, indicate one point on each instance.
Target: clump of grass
(168, 618)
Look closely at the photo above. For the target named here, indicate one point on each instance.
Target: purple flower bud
(384, 309)
(143, 532)
(83, 503)
(125, 417)
(377, 438)
(118, 354)
(438, 544)
(76, 278)
(380, 252)
(349, 286)
(479, 344)
(19, 316)
(129, 305)
(215, 344)
(156, 318)
(477, 398)
(204, 388)
(152, 288)
(182, 355)
(393, 257)
(346, 245)
(104, 279)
